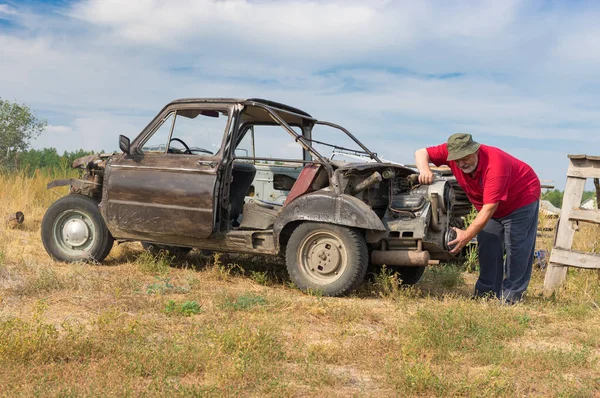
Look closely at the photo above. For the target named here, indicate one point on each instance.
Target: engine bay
(414, 214)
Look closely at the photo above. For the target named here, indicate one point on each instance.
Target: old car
(203, 174)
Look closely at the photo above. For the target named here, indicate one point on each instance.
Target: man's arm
(422, 162)
(464, 236)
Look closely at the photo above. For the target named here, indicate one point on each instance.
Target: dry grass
(233, 325)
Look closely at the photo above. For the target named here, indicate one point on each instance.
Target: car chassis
(336, 219)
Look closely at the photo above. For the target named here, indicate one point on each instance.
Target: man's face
(468, 164)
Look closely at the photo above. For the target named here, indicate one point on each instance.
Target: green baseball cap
(461, 145)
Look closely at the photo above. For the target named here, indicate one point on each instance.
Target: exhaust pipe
(411, 258)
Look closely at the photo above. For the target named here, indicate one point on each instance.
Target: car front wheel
(328, 258)
(73, 230)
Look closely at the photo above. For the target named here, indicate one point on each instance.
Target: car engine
(414, 214)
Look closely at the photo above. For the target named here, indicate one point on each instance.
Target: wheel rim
(73, 232)
(323, 257)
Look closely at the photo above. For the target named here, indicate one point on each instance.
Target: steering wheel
(187, 148)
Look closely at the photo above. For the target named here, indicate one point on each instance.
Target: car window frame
(160, 119)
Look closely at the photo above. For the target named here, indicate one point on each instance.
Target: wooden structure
(581, 167)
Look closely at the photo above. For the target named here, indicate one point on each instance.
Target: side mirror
(125, 144)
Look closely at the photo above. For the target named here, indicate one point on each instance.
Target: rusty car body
(331, 218)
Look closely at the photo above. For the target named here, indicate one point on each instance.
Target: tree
(554, 196)
(18, 125)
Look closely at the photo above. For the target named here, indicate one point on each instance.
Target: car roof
(250, 101)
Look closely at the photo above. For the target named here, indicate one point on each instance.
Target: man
(506, 192)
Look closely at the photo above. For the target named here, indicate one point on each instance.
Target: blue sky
(517, 74)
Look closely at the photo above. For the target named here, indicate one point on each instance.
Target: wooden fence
(581, 168)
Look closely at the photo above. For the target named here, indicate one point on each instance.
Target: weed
(318, 293)
(262, 278)
(472, 257)
(164, 286)
(154, 265)
(224, 271)
(387, 283)
(472, 249)
(244, 302)
(448, 276)
(187, 308)
(416, 378)
(524, 319)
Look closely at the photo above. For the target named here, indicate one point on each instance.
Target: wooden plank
(574, 258)
(587, 215)
(589, 157)
(555, 275)
(584, 168)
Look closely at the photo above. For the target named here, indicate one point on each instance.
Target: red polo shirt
(499, 177)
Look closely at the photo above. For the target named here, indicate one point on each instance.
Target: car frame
(335, 219)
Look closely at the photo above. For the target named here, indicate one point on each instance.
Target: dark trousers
(513, 235)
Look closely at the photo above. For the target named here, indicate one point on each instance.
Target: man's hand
(422, 162)
(426, 177)
(462, 238)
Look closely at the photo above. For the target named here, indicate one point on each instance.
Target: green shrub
(243, 302)
(187, 308)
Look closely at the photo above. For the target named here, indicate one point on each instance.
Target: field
(222, 325)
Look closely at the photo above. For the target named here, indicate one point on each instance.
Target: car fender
(329, 207)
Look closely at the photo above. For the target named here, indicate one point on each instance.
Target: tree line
(18, 126)
(555, 196)
(45, 158)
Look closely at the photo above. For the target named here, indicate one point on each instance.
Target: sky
(521, 75)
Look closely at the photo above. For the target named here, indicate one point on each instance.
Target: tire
(328, 258)
(155, 248)
(410, 275)
(73, 230)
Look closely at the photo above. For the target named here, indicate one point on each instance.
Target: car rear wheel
(73, 230)
(328, 258)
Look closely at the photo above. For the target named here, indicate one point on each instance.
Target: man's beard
(470, 170)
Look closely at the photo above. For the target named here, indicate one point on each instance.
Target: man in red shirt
(506, 192)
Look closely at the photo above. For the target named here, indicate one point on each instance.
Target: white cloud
(580, 49)
(57, 130)
(95, 132)
(7, 11)
(305, 31)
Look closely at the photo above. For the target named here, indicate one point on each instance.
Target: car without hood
(195, 178)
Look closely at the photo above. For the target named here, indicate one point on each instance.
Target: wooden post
(581, 167)
(556, 273)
